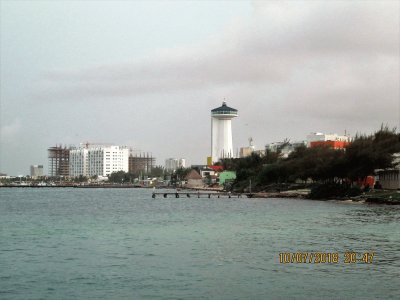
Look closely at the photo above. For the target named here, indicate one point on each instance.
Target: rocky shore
(376, 197)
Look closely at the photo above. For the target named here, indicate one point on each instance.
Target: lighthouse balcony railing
(234, 113)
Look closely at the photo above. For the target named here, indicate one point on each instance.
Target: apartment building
(100, 160)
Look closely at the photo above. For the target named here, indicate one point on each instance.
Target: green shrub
(333, 190)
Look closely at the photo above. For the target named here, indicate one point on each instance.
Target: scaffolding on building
(141, 163)
(58, 161)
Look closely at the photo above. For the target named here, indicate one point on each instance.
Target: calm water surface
(122, 244)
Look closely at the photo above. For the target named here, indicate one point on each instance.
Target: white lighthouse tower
(221, 132)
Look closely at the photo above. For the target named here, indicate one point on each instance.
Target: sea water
(65, 243)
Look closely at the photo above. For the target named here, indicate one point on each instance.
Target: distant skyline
(146, 74)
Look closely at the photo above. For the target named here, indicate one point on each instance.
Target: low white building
(247, 151)
(285, 148)
(100, 160)
(390, 178)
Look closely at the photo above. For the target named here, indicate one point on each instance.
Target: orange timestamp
(348, 257)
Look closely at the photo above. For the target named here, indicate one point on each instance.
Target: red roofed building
(330, 144)
(216, 168)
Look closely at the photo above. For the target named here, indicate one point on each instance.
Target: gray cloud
(336, 51)
(307, 66)
(289, 67)
(8, 131)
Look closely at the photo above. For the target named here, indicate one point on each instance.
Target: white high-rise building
(100, 160)
(172, 164)
(78, 162)
(221, 132)
(36, 171)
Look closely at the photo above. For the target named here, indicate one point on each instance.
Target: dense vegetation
(156, 172)
(337, 170)
(125, 177)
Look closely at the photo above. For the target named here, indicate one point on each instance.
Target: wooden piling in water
(199, 194)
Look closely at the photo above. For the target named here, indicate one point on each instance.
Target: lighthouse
(221, 132)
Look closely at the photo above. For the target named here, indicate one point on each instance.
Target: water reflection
(375, 214)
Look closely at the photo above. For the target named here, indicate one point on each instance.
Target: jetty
(201, 194)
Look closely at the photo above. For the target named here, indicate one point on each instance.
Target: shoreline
(386, 197)
(91, 186)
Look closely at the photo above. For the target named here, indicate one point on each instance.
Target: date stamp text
(347, 257)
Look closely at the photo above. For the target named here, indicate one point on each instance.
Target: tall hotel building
(101, 160)
(78, 162)
(173, 164)
(36, 171)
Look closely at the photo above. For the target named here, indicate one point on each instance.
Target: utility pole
(250, 186)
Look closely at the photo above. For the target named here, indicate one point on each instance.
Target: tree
(120, 177)
(272, 156)
(179, 175)
(81, 178)
(157, 171)
(368, 153)
(322, 164)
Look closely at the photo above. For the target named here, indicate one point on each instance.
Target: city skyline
(147, 74)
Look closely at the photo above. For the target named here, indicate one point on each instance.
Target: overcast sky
(147, 73)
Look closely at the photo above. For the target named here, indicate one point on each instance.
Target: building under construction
(58, 161)
(141, 164)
